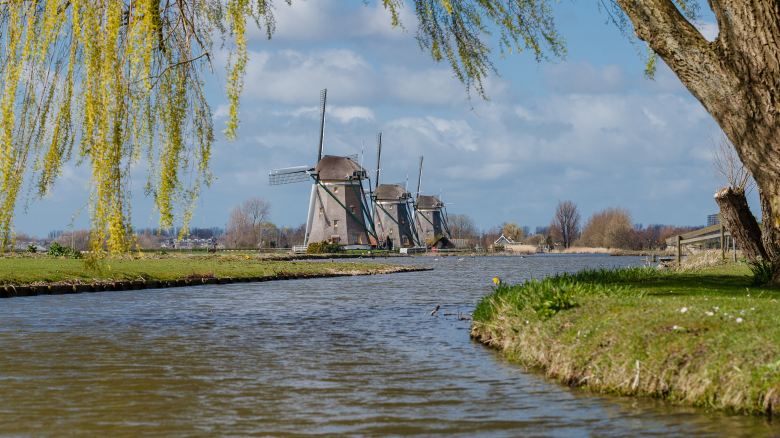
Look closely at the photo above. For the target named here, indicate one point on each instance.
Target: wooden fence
(709, 233)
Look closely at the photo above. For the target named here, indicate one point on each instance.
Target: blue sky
(589, 129)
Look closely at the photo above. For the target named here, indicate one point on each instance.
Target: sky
(590, 128)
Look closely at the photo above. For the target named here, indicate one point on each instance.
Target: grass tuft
(761, 272)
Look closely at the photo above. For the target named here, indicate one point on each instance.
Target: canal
(348, 356)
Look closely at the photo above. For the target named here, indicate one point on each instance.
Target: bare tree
(258, 211)
(147, 239)
(607, 228)
(78, 239)
(247, 223)
(565, 225)
(462, 226)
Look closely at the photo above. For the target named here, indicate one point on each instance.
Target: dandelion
(683, 310)
(739, 319)
(496, 280)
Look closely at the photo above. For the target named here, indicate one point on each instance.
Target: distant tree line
(611, 227)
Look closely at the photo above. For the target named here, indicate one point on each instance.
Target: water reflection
(339, 356)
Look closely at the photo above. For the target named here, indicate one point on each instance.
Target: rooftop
(332, 168)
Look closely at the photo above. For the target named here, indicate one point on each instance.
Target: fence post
(679, 251)
(722, 243)
(734, 247)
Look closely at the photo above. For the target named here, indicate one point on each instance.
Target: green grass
(628, 334)
(27, 269)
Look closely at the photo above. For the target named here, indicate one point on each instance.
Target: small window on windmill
(391, 231)
(429, 214)
(335, 223)
(320, 211)
(353, 208)
(335, 189)
(391, 207)
(334, 239)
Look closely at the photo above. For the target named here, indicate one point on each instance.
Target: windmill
(430, 221)
(393, 220)
(337, 207)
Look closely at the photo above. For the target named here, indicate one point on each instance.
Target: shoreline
(63, 288)
(704, 339)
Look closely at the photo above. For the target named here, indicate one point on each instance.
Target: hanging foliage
(110, 83)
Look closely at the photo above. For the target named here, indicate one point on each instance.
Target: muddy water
(356, 356)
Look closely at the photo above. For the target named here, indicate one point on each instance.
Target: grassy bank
(25, 269)
(706, 337)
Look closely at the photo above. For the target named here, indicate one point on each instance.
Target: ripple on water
(336, 356)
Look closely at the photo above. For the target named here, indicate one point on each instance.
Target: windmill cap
(333, 168)
(428, 202)
(388, 192)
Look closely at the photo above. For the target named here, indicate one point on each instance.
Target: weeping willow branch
(109, 83)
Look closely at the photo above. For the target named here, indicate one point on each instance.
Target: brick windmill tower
(394, 222)
(338, 209)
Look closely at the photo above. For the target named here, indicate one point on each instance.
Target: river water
(348, 356)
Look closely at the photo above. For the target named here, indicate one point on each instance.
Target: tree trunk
(740, 222)
(770, 236)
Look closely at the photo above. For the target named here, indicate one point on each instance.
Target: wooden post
(734, 248)
(653, 258)
(722, 243)
(679, 251)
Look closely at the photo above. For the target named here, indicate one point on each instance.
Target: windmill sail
(323, 101)
(288, 175)
(378, 156)
(419, 178)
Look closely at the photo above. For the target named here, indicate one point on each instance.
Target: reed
(521, 249)
(585, 250)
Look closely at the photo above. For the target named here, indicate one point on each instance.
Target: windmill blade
(323, 101)
(378, 156)
(288, 175)
(419, 178)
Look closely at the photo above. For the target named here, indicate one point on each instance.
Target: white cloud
(330, 20)
(345, 114)
(583, 77)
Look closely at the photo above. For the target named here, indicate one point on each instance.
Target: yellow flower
(496, 280)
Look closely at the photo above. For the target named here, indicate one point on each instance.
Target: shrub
(324, 248)
(58, 250)
(32, 249)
